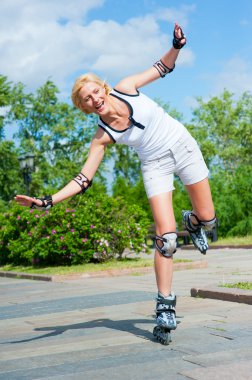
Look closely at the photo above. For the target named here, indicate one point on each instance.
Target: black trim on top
(123, 93)
(133, 121)
(127, 103)
(115, 130)
(112, 138)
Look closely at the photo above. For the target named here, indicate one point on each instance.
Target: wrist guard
(177, 40)
(47, 203)
(162, 68)
(83, 182)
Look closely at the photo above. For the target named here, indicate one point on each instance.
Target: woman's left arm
(160, 68)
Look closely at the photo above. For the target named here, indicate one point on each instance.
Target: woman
(164, 146)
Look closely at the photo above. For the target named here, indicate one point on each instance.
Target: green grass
(81, 268)
(126, 263)
(235, 240)
(239, 285)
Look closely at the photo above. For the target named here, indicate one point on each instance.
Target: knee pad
(169, 244)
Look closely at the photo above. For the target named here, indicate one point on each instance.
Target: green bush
(233, 201)
(86, 228)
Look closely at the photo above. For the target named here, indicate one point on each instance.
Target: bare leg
(203, 216)
(163, 215)
(201, 198)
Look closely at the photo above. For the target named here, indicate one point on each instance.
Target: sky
(61, 39)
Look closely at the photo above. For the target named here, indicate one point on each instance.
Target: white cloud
(179, 15)
(191, 102)
(186, 57)
(125, 48)
(40, 11)
(244, 23)
(236, 77)
(37, 38)
(42, 39)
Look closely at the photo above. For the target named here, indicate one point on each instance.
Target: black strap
(162, 68)
(83, 182)
(46, 203)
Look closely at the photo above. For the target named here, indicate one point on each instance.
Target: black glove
(47, 203)
(177, 40)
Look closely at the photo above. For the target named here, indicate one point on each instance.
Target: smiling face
(93, 98)
(91, 94)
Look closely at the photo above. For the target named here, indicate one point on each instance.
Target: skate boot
(196, 232)
(165, 318)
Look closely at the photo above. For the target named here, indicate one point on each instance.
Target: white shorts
(184, 159)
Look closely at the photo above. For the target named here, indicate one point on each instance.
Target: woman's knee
(205, 214)
(207, 220)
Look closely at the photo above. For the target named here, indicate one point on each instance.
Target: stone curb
(27, 276)
(224, 294)
(191, 246)
(105, 273)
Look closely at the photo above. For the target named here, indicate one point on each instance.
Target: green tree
(126, 164)
(9, 166)
(57, 134)
(10, 174)
(134, 194)
(223, 128)
(233, 201)
(5, 89)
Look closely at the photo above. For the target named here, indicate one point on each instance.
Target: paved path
(101, 328)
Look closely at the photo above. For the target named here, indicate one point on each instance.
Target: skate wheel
(166, 338)
(155, 331)
(163, 336)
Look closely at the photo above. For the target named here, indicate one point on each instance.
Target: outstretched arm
(81, 182)
(132, 83)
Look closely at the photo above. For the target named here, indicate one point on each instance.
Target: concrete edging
(224, 294)
(192, 247)
(27, 276)
(105, 273)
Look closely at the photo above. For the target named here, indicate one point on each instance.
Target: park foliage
(96, 227)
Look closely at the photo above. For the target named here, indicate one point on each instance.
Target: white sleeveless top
(152, 132)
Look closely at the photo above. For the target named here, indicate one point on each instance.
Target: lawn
(125, 263)
(239, 285)
(235, 240)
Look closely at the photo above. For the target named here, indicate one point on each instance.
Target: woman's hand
(179, 39)
(39, 203)
(24, 200)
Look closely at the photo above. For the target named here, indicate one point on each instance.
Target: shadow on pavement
(121, 325)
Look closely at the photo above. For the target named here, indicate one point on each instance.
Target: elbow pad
(162, 68)
(83, 182)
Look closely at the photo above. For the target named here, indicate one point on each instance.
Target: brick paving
(101, 328)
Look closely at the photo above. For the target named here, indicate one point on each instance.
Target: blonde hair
(79, 83)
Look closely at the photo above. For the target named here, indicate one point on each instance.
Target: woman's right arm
(130, 84)
(77, 185)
